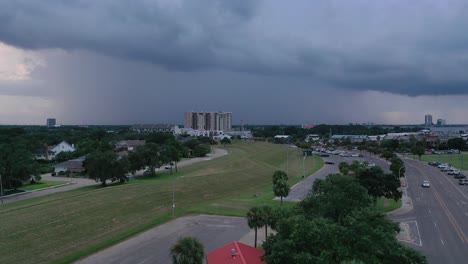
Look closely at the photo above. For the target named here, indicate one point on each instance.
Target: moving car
(426, 184)
(463, 182)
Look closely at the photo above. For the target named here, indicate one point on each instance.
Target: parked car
(426, 184)
(453, 172)
(463, 181)
(324, 155)
(432, 163)
(459, 176)
(329, 162)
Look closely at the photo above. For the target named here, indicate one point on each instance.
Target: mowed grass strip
(41, 185)
(459, 161)
(63, 227)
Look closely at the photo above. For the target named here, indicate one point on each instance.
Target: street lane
(440, 211)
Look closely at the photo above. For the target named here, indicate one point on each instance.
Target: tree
(281, 188)
(280, 184)
(418, 150)
(105, 165)
(457, 143)
(225, 141)
(187, 250)
(397, 167)
(324, 229)
(387, 155)
(150, 155)
(254, 220)
(344, 167)
(378, 183)
(16, 165)
(266, 213)
(201, 150)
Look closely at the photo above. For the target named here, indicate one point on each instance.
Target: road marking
(429, 210)
(452, 220)
(435, 224)
(419, 235)
(442, 242)
(466, 214)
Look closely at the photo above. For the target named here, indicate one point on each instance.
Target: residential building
(49, 152)
(352, 138)
(129, 145)
(51, 122)
(211, 121)
(312, 137)
(428, 120)
(235, 253)
(75, 165)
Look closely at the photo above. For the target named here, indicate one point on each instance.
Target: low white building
(52, 151)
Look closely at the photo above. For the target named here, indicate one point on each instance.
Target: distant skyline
(268, 62)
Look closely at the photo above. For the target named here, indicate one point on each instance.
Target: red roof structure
(235, 253)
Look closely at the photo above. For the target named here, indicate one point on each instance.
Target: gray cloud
(411, 48)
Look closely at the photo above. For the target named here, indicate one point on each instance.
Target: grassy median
(63, 227)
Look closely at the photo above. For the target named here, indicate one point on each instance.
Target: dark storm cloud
(411, 48)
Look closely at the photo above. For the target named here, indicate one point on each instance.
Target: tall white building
(210, 121)
(428, 120)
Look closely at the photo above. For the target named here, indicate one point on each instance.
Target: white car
(426, 184)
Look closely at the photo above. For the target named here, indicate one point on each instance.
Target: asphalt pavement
(438, 223)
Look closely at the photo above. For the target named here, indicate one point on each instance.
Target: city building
(51, 122)
(441, 122)
(428, 120)
(210, 121)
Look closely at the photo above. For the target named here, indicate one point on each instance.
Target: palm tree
(254, 220)
(266, 213)
(187, 250)
(281, 188)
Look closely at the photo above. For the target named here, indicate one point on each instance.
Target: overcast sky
(268, 62)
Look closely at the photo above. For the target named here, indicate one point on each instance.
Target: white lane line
(429, 210)
(442, 242)
(466, 214)
(435, 224)
(419, 235)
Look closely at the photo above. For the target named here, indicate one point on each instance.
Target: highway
(439, 219)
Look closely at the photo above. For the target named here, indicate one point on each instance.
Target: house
(154, 128)
(235, 253)
(52, 151)
(75, 165)
(352, 138)
(129, 145)
(282, 139)
(312, 137)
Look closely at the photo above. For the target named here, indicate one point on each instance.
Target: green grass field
(63, 227)
(459, 161)
(41, 185)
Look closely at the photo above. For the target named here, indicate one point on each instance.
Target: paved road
(154, 245)
(439, 219)
(74, 183)
(301, 189)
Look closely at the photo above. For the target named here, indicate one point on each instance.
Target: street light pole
(1, 186)
(287, 161)
(173, 199)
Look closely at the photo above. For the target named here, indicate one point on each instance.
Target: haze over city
(267, 62)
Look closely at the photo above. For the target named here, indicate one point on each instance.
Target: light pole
(173, 199)
(287, 161)
(1, 186)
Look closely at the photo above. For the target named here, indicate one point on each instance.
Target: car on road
(459, 176)
(463, 181)
(426, 184)
(453, 172)
(329, 162)
(324, 155)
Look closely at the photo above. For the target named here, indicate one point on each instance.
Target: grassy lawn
(41, 185)
(62, 227)
(386, 205)
(459, 161)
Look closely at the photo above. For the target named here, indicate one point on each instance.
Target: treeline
(17, 145)
(324, 130)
